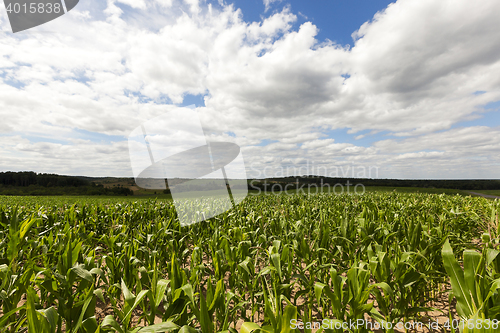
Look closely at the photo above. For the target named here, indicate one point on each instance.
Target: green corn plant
(399, 281)
(474, 287)
(246, 272)
(111, 323)
(157, 293)
(283, 323)
(125, 315)
(40, 321)
(14, 270)
(72, 285)
(347, 297)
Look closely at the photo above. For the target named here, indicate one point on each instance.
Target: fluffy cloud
(422, 60)
(413, 73)
(267, 3)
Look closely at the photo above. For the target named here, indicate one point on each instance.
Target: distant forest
(31, 183)
(457, 184)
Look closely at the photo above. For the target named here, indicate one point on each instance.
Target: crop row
(130, 266)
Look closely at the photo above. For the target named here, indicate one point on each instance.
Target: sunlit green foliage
(268, 261)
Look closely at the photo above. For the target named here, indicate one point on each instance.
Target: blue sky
(417, 95)
(336, 19)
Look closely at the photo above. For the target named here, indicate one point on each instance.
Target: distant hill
(31, 183)
(458, 184)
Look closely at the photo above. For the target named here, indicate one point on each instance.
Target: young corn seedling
(475, 288)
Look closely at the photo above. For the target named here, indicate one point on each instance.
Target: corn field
(96, 266)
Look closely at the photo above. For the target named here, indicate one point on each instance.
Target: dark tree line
(458, 184)
(27, 178)
(31, 183)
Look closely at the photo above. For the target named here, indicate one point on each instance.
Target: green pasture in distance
(415, 190)
(488, 192)
(69, 200)
(359, 189)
